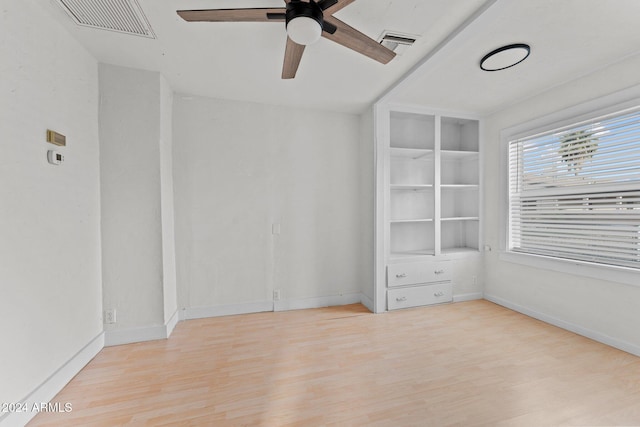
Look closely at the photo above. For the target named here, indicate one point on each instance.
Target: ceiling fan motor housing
(298, 9)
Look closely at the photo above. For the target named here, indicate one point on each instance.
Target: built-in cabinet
(428, 206)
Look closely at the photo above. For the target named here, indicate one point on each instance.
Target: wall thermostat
(54, 157)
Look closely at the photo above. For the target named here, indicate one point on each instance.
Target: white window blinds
(574, 193)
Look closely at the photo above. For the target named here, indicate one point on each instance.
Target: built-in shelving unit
(459, 185)
(411, 185)
(431, 192)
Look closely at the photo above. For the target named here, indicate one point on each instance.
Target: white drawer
(414, 296)
(412, 273)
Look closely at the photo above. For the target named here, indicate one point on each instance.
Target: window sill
(627, 276)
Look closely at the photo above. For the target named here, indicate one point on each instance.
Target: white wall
(367, 208)
(241, 167)
(603, 309)
(170, 292)
(137, 202)
(50, 291)
(130, 189)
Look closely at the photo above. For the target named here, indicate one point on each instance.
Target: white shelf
(400, 221)
(410, 153)
(461, 218)
(459, 186)
(458, 155)
(449, 251)
(410, 254)
(418, 187)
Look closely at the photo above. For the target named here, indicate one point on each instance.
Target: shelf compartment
(411, 130)
(459, 168)
(460, 235)
(407, 171)
(411, 237)
(459, 202)
(459, 134)
(408, 205)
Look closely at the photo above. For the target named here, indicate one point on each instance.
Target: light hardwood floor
(464, 364)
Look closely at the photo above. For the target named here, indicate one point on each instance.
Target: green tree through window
(576, 148)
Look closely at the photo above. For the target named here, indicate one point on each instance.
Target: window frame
(594, 109)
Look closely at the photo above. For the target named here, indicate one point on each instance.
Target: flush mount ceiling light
(505, 57)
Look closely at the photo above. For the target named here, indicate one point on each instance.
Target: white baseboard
(367, 302)
(594, 335)
(316, 302)
(52, 385)
(467, 297)
(140, 334)
(226, 310)
(171, 324)
(133, 335)
(283, 305)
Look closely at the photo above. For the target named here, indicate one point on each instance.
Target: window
(574, 192)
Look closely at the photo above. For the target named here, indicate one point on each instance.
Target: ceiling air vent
(123, 16)
(397, 42)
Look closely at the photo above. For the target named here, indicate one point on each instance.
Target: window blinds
(574, 193)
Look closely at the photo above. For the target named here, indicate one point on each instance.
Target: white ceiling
(243, 61)
(568, 39)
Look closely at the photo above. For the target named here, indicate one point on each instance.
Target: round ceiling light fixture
(505, 57)
(304, 22)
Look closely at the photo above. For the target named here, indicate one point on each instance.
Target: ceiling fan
(306, 22)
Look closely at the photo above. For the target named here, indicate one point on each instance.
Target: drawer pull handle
(439, 272)
(401, 275)
(438, 294)
(400, 299)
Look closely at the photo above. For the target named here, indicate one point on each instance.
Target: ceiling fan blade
(292, 56)
(234, 15)
(353, 39)
(337, 6)
(326, 4)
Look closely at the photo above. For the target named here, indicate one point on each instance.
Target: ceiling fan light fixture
(505, 57)
(304, 22)
(304, 30)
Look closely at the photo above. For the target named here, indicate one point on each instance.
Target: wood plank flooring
(465, 364)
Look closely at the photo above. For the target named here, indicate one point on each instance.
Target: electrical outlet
(475, 280)
(110, 316)
(276, 295)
